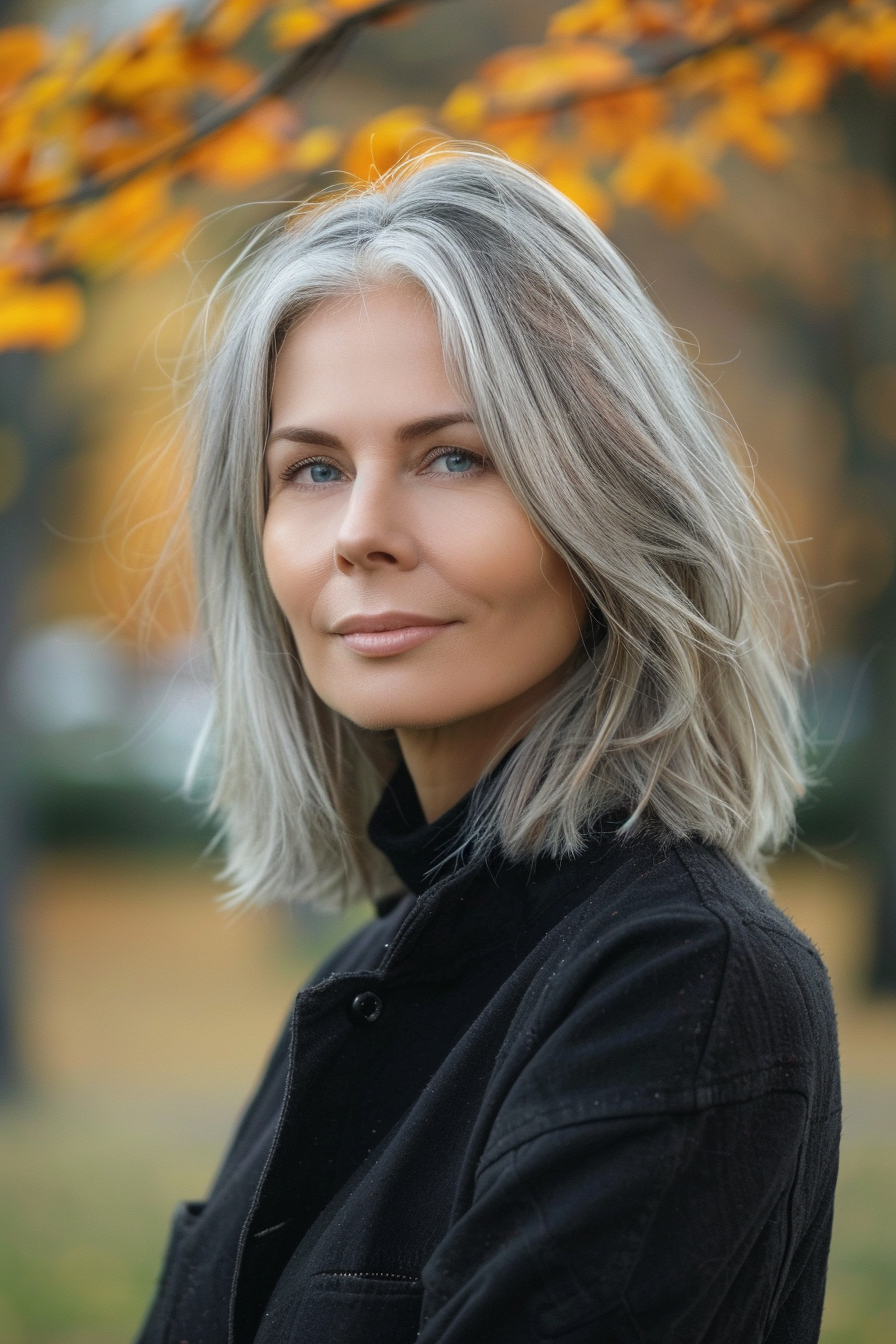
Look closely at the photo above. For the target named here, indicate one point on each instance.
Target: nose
(372, 534)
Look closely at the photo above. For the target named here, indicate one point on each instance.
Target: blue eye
(456, 461)
(311, 472)
(322, 473)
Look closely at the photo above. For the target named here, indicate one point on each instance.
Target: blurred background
(135, 1013)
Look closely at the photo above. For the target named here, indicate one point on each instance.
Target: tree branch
(653, 61)
(287, 74)
(301, 65)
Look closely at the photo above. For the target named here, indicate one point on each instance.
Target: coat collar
(466, 908)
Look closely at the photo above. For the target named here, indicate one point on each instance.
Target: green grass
(85, 1199)
(86, 1191)
(861, 1298)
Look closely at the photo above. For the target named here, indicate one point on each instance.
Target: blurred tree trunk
(870, 121)
(883, 970)
(32, 444)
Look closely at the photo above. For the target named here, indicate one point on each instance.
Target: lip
(388, 632)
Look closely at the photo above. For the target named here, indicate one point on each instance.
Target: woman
(464, 524)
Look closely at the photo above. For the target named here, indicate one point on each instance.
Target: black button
(366, 1007)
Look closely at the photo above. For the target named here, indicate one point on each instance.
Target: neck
(447, 761)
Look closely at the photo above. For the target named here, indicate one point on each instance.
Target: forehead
(376, 347)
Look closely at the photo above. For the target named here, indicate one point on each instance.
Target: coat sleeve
(669, 1228)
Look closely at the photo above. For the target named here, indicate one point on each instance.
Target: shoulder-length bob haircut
(682, 710)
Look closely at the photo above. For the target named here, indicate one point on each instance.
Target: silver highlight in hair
(682, 712)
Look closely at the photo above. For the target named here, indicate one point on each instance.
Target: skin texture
(377, 519)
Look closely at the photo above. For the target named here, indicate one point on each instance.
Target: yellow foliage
(525, 138)
(864, 41)
(94, 236)
(466, 108)
(383, 142)
(531, 76)
(231, 19)
(51, 174)
(223, 76)
(719, 72)
(607, 17)
(740, 121)
(248, 149)
(622, 21)
(48, 316)
(293, 27)
(23, 50)
(98, 74)
(582, 100)
(800, 81)
(576, 182)
(665, 173)
(153, 62)
(314, 149)
(611, 124)
(156, 246)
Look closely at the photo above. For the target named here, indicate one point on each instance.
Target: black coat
(590, 1101)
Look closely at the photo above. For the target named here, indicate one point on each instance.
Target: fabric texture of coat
(590, 1102)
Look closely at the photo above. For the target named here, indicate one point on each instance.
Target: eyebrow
(417, 429)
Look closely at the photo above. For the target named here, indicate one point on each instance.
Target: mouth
(388, 633)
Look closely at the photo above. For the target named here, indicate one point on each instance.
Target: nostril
(381, 558)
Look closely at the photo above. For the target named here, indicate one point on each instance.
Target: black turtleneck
(499, 911)
(416, 848)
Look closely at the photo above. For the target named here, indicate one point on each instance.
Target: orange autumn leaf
(525, 138)
(863, 42)
(465, 109)
(155, 62)
(609, 18)
(387, 139)
(800, 81)
(222, 75)
(294, 27)
(575, 182)
(98, 74)
(48, 178)
(611, 124)
(23, 50)
(47, 316)
(351, 6)
(158, 245)
(571, 105)
(741, 122)
(314, 149)
(231, 19)
(719, 72)
(663, 173)
(248, 149)
(93, 235)
(532, 75)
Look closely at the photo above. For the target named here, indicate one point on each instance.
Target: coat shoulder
(676, 984)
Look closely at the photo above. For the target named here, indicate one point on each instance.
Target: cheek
(498, 557)
(297, 564)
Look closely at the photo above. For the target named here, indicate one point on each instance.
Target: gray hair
(682, 710)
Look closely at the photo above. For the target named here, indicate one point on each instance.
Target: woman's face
(418, 591)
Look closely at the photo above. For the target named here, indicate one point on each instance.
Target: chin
(377, 715)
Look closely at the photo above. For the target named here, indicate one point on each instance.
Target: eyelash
(483, 463)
